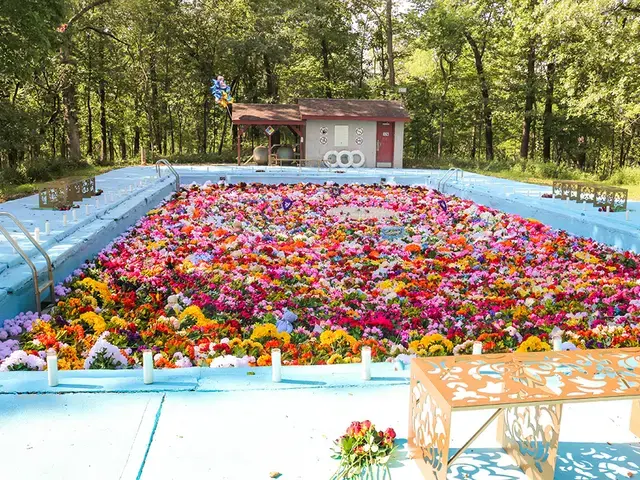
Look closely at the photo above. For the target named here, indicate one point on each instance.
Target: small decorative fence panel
(528, 391)
(65, 194)
(601, 196)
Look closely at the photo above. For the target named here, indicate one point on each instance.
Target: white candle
(64, 219)
(86, 209)
(557, 343)
(626, 215)
(147, 366)
(36, 234)
(584, 207)
(52, 368)
(74, 215)
(477, 348)
(366, 363)
(276, 365)
(111, 196)
(47, 227)
(97, 203)
(130, 188)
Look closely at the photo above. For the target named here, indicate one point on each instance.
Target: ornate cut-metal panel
(53, 197)
(65, 195)
(88, 187)
(429, 428)
(491, 380)
(586, 193)
(530, 435)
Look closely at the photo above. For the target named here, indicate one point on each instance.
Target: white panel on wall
(341, 135)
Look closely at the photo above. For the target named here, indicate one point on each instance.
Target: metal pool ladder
(165, 162)
(447, 176)
(34, 271)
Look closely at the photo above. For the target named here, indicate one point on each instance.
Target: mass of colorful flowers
(220, 275)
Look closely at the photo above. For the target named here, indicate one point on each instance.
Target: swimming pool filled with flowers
(220, 275)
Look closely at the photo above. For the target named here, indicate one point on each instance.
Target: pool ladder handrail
(34, 271)
(166, 163)
(447, 176)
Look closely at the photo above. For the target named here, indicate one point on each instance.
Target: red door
(384, 144)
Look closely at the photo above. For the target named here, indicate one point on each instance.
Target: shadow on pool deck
(597, 461)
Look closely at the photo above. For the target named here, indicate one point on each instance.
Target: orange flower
(413, 248)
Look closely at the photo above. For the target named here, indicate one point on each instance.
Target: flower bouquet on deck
(364, 452)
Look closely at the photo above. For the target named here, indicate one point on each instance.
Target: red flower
(390, 434)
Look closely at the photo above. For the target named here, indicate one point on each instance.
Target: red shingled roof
(265, 113)
(329, 108)
(318, 109)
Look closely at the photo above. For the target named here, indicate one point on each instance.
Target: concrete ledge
(203, 379)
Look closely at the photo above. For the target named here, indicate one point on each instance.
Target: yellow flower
(264, 330)
(195, 312)
(429, 339)
(414, 346)
(335, 358)
(95, 321)
(327, 337)
(42, 327)
(264, 360)
(285, 337)
(97, 287)
(436, 350)
(118, 322)
(533, 344)
(235, 342)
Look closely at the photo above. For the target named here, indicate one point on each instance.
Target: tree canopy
(556, 82)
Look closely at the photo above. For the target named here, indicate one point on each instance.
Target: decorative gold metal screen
(65, 194)
(528, 390)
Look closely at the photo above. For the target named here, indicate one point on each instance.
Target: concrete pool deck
(246, 435)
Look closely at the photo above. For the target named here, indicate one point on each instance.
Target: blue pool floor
(248, 435)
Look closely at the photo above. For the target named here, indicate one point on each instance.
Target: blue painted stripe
(153, 432)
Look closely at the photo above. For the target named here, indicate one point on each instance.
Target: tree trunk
(272, 86)
(89, 112)
(548, 113)
(173, 145)
(155, 114)
(103, 123)
(112, 150)
(136, 141)
(89, 124)
(224, 134)
(326, 69)
(484, 90)
(390, 56)
(446, 77)
(473, 142)
(205, 125)
(529, 101)
(69, 101)
(123, 147)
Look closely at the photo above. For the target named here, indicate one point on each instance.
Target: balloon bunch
(221, 92)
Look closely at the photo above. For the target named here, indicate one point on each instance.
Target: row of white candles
(148, 363)
(276, 362)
